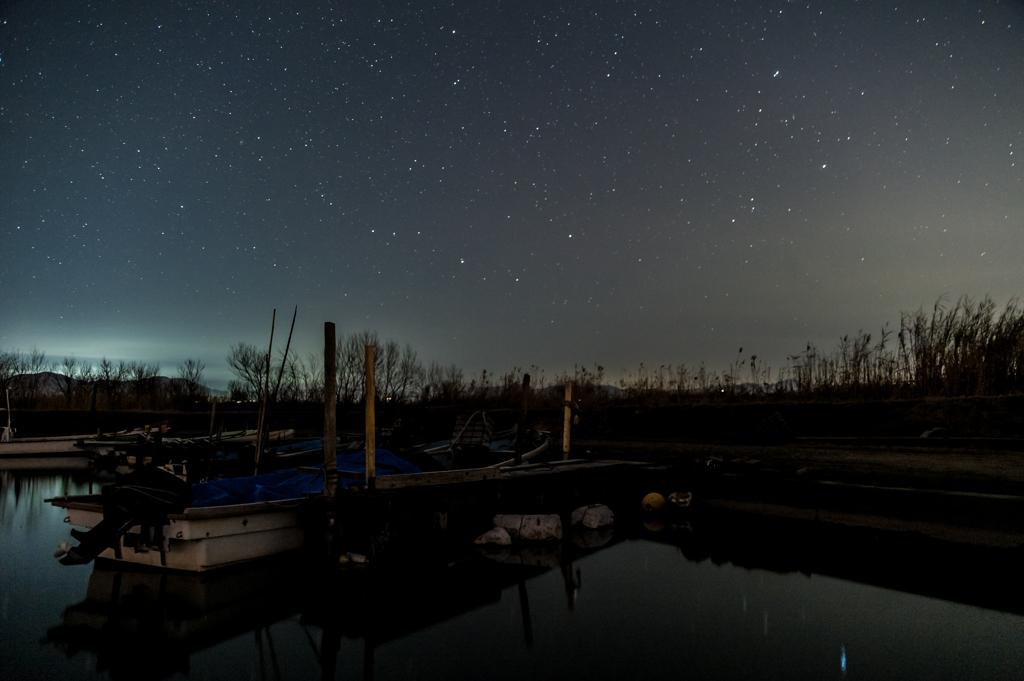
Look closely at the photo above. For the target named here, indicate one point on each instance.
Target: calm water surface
(633, 610)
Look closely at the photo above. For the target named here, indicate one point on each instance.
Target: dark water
(635, 609)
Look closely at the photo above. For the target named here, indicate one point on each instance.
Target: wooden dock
(425, 514)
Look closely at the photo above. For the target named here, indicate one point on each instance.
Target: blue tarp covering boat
(385, 463)
(290, 484)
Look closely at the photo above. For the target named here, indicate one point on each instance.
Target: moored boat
(153, 518)
(36, 453)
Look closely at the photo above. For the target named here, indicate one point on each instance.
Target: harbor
(511, 549)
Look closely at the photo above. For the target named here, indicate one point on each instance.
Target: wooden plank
(565, 467)
(239, 510)
(434, 478)
(545, 464)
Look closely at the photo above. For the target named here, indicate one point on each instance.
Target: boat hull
(41, 445)
(201, 539)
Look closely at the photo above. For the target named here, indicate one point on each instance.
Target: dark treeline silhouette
(962, 349)
(32, 381)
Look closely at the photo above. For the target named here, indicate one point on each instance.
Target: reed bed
(963, 349)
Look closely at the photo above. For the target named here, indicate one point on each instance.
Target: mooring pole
(261, 425)
(567, 421)
(521, 428)
(371, 453)
(330, 425)
(213, 416)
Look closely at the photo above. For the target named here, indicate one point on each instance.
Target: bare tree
(410, 373)
(32, 367)
(106, 379)
(85, 383)
(350, 369)
(66, 381)
(191, 375)
(143, 377)
(249, 365)
(311, 376)
(454, 383)
(387, 379)
(433, 382)
(238, 391)
(9, 369)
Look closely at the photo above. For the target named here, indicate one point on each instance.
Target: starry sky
(503, 183)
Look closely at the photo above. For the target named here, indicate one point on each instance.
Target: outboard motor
(143, 497)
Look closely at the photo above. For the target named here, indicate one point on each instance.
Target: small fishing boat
(35, 453)
(475, 444)
(121, 451)
(154, 518)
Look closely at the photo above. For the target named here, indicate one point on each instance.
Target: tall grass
(966, 348)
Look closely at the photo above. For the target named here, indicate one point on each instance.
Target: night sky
(503, 183)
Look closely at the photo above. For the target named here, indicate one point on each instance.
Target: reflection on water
(598, 606)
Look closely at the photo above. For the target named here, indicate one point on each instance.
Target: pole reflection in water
(676, 606)
(157, 621)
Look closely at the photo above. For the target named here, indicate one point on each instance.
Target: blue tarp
(268, 487)
(289, 484)
(385, 463)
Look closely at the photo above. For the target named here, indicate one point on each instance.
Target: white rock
(598, 516)
(540, 527)
(357, 557)
(496, 536)
(510, 523)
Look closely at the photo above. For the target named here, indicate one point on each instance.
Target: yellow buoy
(653, 502)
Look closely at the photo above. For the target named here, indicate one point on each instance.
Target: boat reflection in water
(148, 623)
(722, 597)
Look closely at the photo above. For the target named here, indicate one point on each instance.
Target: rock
(540, 527)
(599, 516)
(530, 527)
(593, 516)
(509, 522)
(357, 557)
(497, 536)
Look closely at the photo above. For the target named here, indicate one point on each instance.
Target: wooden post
(521, 428)
(567, 422)
(371, 452)
(213, 417)
(261, 424)
(330, 418)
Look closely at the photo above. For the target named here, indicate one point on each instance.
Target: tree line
(959, 349)
(31, 380)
